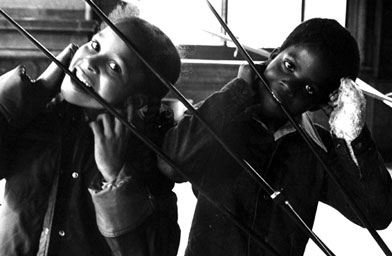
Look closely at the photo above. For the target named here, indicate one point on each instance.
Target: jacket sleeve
(132, 220)
(20, 99)
(20, 102)
(185, 143)
(369, 184)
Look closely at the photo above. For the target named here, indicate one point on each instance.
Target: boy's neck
(273, 124)
(92, 114)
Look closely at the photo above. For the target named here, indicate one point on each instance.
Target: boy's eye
(114, 66)
(309, 89)
(95, 45)
(290, 66)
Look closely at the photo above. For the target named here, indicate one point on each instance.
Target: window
(257, 23)
(182, 20)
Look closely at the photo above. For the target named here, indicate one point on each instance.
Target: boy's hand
(21, 98)
(348, 107)
(51, 78)
(110, 143)
(246, 73)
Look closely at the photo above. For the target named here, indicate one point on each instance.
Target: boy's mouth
(283, 92)
(82, 77)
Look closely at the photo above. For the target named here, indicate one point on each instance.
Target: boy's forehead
(109, 40)
(315, 69)
(308, 60)
(131, 31)
(116, 47)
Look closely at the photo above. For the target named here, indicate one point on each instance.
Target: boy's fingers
(129, 112)
(52, 76)
(108, 122)
(96, 128)
(248, 74)
(327, 109)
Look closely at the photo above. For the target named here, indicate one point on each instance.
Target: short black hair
(159, 51)
(154, 46)
(335, 43)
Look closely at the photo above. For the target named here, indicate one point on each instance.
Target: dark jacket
(286, 163)
(54, 203)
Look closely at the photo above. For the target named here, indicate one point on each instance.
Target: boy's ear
(274, 53)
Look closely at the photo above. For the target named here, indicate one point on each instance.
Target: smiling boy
(77, 181)
(317, 59)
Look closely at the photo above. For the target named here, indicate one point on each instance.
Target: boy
(302, 73)
(78, 182)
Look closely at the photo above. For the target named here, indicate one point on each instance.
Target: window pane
(256, 23)
(334, 9)
(263, 23)
(183, 20)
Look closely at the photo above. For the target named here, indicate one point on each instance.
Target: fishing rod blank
(144, 139)
(349, 200)
(277, 196)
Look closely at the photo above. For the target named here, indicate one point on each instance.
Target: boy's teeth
(87, 84)
(83, 80)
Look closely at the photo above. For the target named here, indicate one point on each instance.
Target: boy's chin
(73, 94)
(271, 111)
(68, 87)
(74, 97)
(81, 99)
(270, 107)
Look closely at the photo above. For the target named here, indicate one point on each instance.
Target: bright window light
(263, 23)
(183, 20)
(258, 24)
(334, 9)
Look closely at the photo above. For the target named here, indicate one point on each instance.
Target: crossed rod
(276, 196)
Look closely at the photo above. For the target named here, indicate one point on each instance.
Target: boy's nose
(90, 64)
(293, 86)
(288, 89)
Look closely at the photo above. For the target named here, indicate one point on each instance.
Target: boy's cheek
(80, 52)
(268, 106)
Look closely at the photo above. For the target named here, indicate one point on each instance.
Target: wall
(46, 4)
(55, 24)
(370, 22)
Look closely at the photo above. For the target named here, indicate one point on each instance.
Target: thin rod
(282, 202)
(224, 11)
(303, 9)
(308, 141)
(171, 87)
(144, 139)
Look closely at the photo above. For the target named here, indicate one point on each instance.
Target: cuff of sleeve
(122, 207)
(359, 146)
(20, 99)
(363, 142)
(345, 150)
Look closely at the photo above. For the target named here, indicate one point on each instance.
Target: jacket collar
(307, 125)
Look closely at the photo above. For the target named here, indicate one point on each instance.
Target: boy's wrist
(115, 183)
(106, 178)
